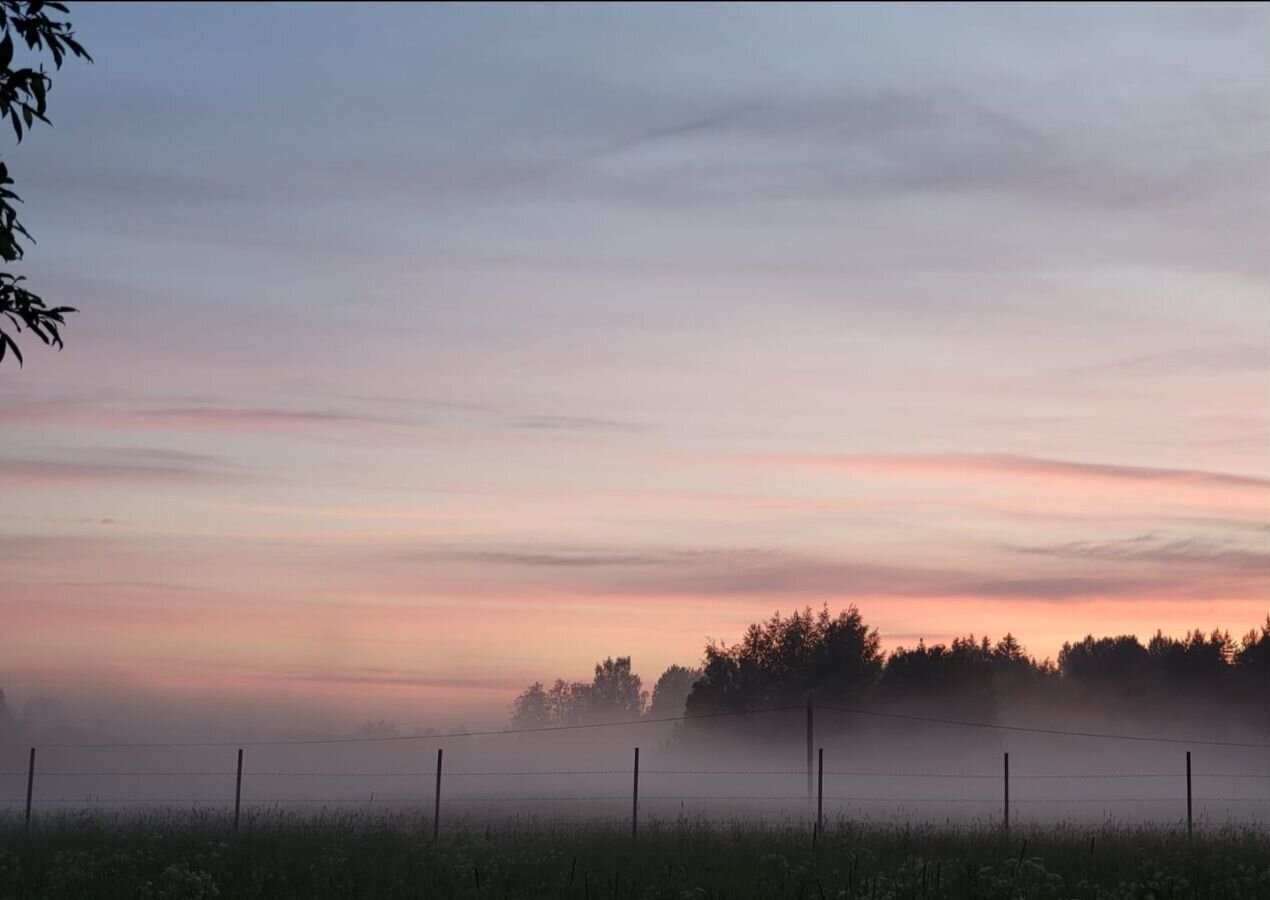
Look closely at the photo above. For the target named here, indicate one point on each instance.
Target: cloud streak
(1185, 361)
(164, 469)
(1157, 550)
(369, 676)
(246, 419)
(542, 422)
(1016, 466)
(601, 572)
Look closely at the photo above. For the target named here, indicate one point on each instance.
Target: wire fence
(805, 793)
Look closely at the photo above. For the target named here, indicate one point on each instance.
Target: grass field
(193, 857)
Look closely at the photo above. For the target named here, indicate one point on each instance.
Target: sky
(427, 351)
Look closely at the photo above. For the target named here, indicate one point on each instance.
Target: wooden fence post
(820, 792)
(1190, 827)
(30, 787)
(238, 789)
(436, 803)
(1006, 782)
(635, 800)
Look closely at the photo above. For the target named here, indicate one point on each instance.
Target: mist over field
(903, 772)
(804, 713)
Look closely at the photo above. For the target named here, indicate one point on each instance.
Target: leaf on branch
(6, 341)
(23, 102)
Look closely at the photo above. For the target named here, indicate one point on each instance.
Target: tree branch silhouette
(23, 102)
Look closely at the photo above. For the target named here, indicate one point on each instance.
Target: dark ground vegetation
(356, 856)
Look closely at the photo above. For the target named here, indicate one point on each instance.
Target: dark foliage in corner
(41, 29)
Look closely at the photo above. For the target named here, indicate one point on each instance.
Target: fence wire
(36, 788)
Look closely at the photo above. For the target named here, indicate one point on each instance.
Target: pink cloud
(26, 473)
(195, 418)
(1018, 466)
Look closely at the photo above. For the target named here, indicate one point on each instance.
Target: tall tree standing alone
(23, 101)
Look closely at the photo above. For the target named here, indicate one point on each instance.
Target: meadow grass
(276, 854)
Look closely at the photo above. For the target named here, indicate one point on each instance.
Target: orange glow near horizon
(393, 404)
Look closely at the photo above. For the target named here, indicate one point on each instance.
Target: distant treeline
(839, 659)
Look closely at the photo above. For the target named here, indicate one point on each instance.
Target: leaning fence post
(30, 787)
(436, 802)
(238, 789)
(635, 800)
(1006, 782)
(1189, 823)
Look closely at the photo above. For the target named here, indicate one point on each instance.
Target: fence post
(811, 731)
(436, 803)
(238, 789)
(635, 800)
(30, 787)
(820, 792)
(1006, 782)
(1189, 823)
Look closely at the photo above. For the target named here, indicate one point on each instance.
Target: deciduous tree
(29, 32)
